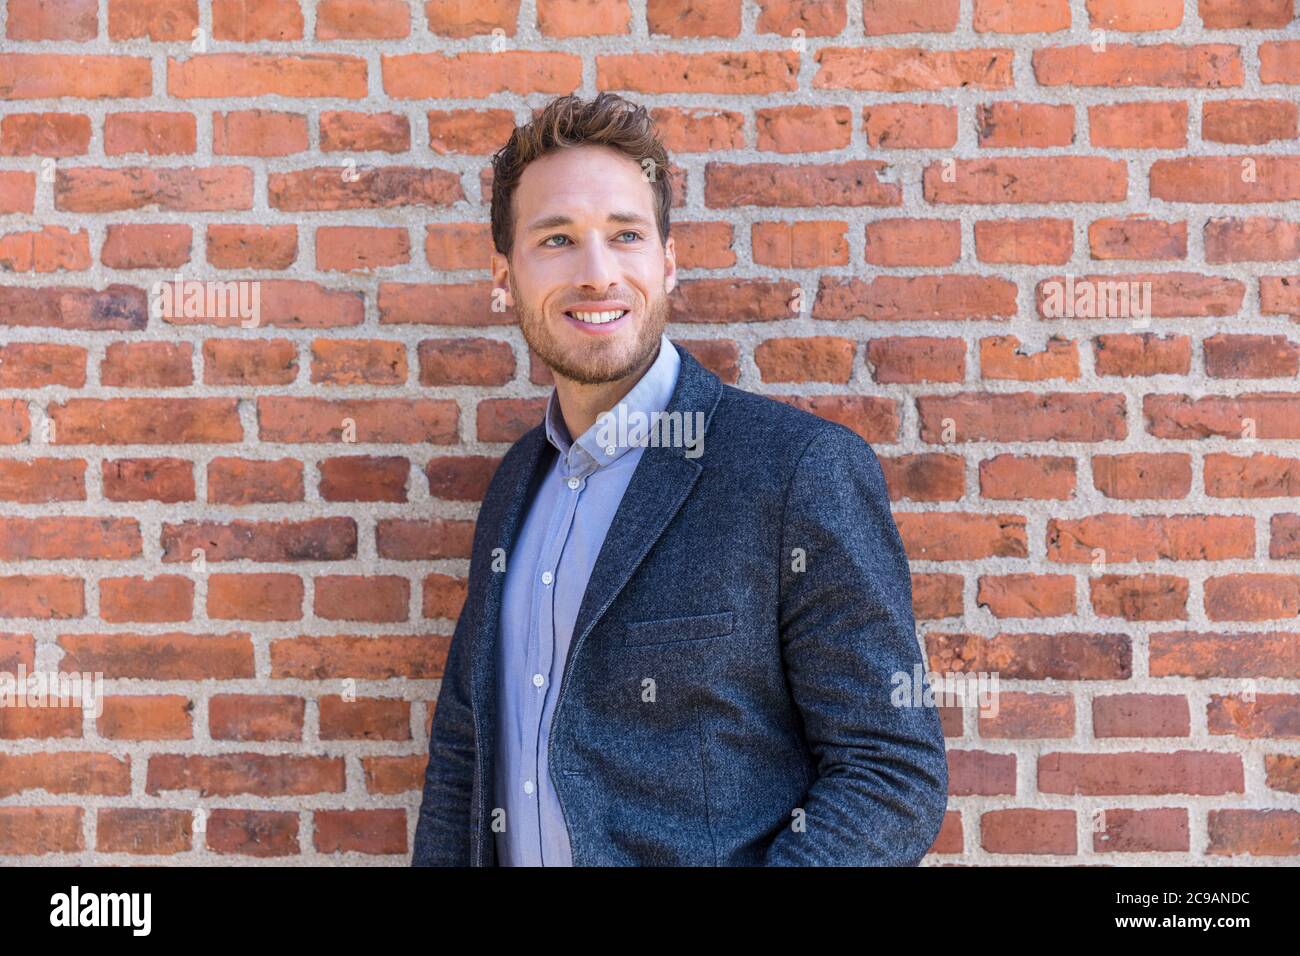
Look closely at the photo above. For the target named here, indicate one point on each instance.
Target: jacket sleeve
(443, 828)
(848, 639)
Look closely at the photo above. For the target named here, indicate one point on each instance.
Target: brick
(563, 18)
(1139, 597)
(884, 17)
(267, 74)
(183, 189)
(44, 134)
(1245, 14)
(42, 480)
(143, 832)
(163, 598)
(323, 188)
(785, 16)
(246, 21)
(1129, 17)
(893, 359)
(1126, 538)
(1021, 416)
(1005, 357)
(1141, 715)
(475, 76)
(1137, 237)
(358, 362)
(1028, 179)
(468, 131)
(255, 833)
(53, 20)
(1056, 656)
(152, 19)
(853, 183)
(1024, 241)
(359, 248)
(465, 361)
(364, 478)
(256, 716)
(146, 717)
(1203, 66)
(154, 133)
(1159, 125)
(362, 20)
(800, 128)
(1224, 179)
(1026, 596)
(1154, 830)
(1010, 477)
(238, 246)
(1251, 239)
(910, 126)
(1021, 16)
(752, 72)
(168, 480)
(913, 242)
(888, 69)
(1142, 475)
(238, 481)
(1011, 125)
(355, 131)
(1249, 122)
(50, 249)
(1146, 354)
(31, 76)
(255, 597)
(258, 133)
(153, 246)
(1181, 772)
(792, 245)
(1251, 356)
(899, 298)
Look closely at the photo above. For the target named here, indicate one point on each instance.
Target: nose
(597, 267)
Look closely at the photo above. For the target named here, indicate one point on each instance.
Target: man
(679, 646)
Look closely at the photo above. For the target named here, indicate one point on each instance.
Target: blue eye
(631, 232)
(557, 236)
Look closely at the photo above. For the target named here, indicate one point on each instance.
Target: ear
(501, 278)
(670, 265)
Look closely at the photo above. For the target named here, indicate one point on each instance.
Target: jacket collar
(663, 478)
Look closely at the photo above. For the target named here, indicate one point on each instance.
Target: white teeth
(598, 318)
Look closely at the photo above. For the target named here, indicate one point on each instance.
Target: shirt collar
(651, 393)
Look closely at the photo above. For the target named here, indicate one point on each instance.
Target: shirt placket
(541, 648)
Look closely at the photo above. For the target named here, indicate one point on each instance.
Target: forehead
(582, 181)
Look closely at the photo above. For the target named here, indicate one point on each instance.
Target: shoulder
(793, 432)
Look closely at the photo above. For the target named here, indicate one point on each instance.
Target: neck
(581, 404)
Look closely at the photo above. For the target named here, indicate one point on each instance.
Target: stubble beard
(596, 367)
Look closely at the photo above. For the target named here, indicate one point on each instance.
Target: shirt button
(547, 577)
(609, 450)
(574, 482)
(538, 680)
(528, 786)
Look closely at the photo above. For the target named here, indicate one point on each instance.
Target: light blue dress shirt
(546, 578)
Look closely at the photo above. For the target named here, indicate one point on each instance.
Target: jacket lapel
(663, 478)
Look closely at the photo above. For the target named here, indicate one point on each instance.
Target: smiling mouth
(597, 318)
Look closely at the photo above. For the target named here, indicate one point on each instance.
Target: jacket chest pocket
(671, 630)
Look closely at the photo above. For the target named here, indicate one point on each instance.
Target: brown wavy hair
(565, 122)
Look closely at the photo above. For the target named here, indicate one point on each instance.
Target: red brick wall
(874, 199)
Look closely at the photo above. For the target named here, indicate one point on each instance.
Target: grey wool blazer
(728, 699)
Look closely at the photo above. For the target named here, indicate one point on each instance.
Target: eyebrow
(623, 218)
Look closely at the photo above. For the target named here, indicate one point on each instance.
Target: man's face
(585, 241)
